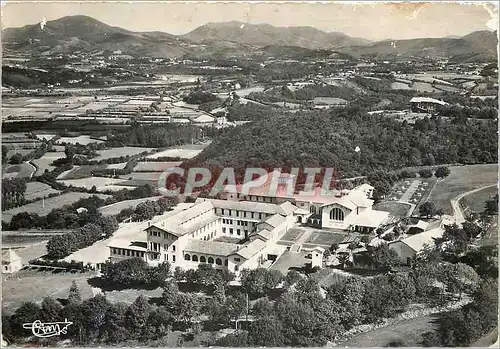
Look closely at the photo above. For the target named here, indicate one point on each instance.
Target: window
(187, 257)
(222, 211)
(237, 259)
(336, 214)
(236, 268)
(223, 230)
(225, 262)
(312, 209)
(218, 261)
(203, 259)
(231, 231)
(229, 212)
(128, 252)
(173, 259)
(210, 260)
(173, 248)
(195, 258)
(165, 246)
(238, 232)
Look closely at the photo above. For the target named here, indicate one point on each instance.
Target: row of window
(208, 237)
(128, 253)
(203, 259)
(238, 222)
(231, 231)
(242, 214)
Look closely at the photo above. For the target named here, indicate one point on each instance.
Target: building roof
(216, 248)
(249, 206)
(417, 242)
(370, 218)
(427, 100)
(287, 208)
(420, 225)
(251, 249)
(128, 245)
(275, 220)
(204, 118)
(10, 256)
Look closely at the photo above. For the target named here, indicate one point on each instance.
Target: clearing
(462, 179)
(114, 209)
(42, 209)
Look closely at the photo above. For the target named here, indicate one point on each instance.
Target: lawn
(101, 183)
(183, 152)
(461, 180)
(84, 140)
(328, 276)
(396, 209)
(293, 234)
(81, 172)
(121, 151)
(290, 260)
(36, 285)
(476, 201)
(408, 333)
(42, 209)
(44, 162)
(37, 190)
(142, 176)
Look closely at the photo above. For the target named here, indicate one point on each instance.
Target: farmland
(42, 209)
(24, 170)
(84, 140)
(183, 152)
(155, 166)
(44, 163)
(462, 179)
(119, 152)
(37, 190)
(101, 183)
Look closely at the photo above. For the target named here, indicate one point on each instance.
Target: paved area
(290, 260)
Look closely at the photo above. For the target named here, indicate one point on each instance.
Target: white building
(192, 236)
(408, 248)
(11, 262)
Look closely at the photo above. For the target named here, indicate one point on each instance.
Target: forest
(329, 139)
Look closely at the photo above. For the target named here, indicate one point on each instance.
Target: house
(425, 104)
(11, 262)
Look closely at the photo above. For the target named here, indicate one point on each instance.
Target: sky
(373, 21)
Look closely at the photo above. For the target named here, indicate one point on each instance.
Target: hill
(266, 35)
(74, 33)
(480, 43)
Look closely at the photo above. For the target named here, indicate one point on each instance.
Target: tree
(382, 257)
(108, 225)
(266, 332)
(343, 260)
(16, 159)
(460, 278)
(170, 294)
(69, 151)
(28, 312)
(51, 309)
(442, 172)
(5, 152)
(425, 173)
(74, 294)
(94, 312)
(258, 282)
(427, 209)
(491, 206)
(114, 328)
(137, 316)
(334, 247)
(292, 277)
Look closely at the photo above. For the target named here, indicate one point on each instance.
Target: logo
(49, 329)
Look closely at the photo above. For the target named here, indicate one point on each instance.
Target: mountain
(73, 33)
(266, 35)
(480, 44)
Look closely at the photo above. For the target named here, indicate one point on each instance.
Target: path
(405, 198)
(458, 214)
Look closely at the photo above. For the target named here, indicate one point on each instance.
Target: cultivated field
(44, 162)
(101, 183)
(42, 209)
(115, 208)
(80, 139)
(155, 166)
(121, 151)
(36, 190)
(462, 179)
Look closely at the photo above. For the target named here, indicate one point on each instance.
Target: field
(142, 176)
(119, 166)
(80, 172)
(24, 170)
(36, 190)
(101, 183)
(50, 203)
(44, 162)
(396, 209)
(121, 151)
(183, 152)
(84, 140)
(461, 180)
(155, 166)
(36, 285)
(115, 208)
(475, 201)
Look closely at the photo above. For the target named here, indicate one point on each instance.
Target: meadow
(37, 190)
(118, 152)
(44, 163)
